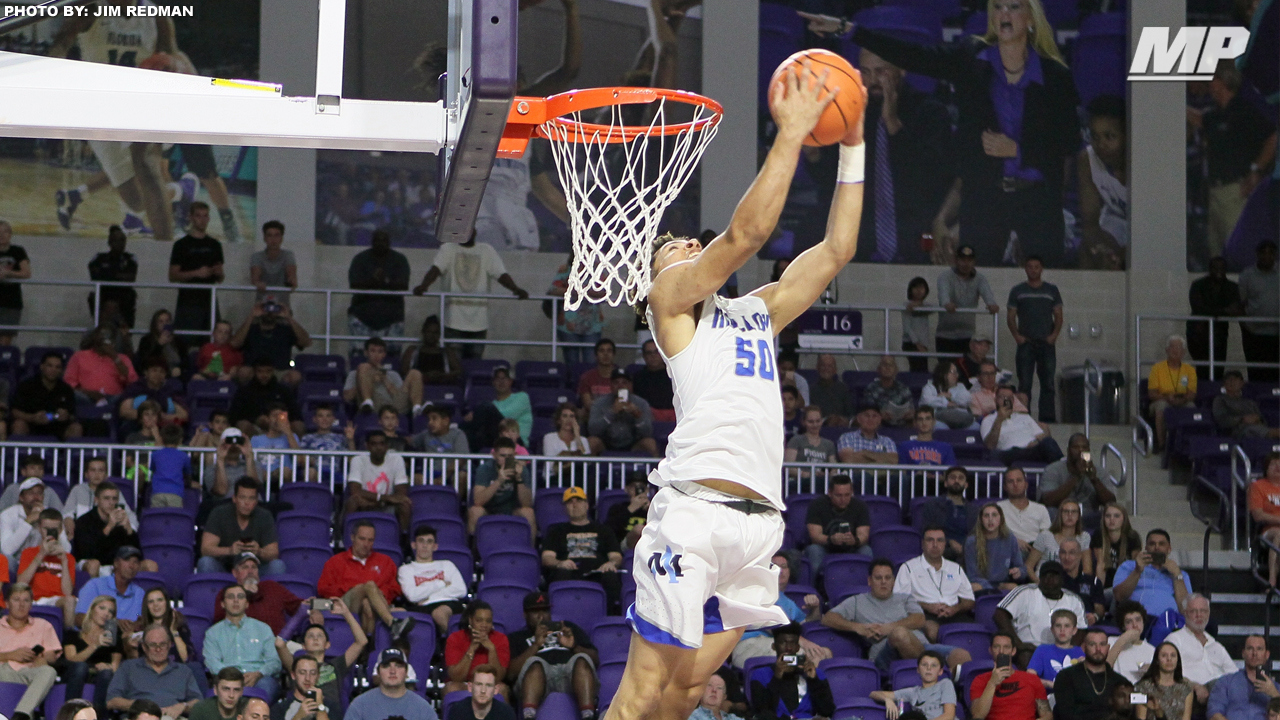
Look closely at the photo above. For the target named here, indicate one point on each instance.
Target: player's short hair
(605, 341)
(52, 354)
(29, 460)
(373, 434)
(1013, 639)
(789, 356)
(149, 406)
(500, 443)
(791, 389)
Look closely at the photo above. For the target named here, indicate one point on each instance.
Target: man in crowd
(1170, 383)
(154, 677)
(1025, 517)
(120, 586)
(1215, 296)
(1130, 654)
(383, 269)
(1204, 659)
(20, 636)
(1154, 578)
(922, 449)
(365, 580)
(951, 512)
(100, 372)
(582, 548)
(501, 487)
(554, 657)
(939, 586)
(481, 705)
(654, 384)
(48, 569)
(1026, 611)
(1074, 477)
(305, 702)
(44, 404)
(228, 695)
(789, 375)
(269, 601)
(982, 399)
(391, 698)
(377, 480)
(621, 420)
(1076, 688)
(866, 446)
(627, 519)
(1247, 694)
(271, 332)
(107, 527)
(889, 394)
(243, 642)
(792, 687)
(830, 393)
(970, 363)
(889, 624)
(961, 287)
(116, 265)
(233, 460)
(1237, 415)
(254, 400)
(332, 666)
(196, 259)
(432, 586)
(18, 523)
(837, 523)
(372, 385)
(1076, 580)
(1015, 435)
(1260, 295)
(143, 710)
(240, 527)
(598, 380)
(1007, 692)
(1035, 319)
(83, 496)
(154, 386)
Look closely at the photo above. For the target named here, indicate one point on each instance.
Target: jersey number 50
(747, 359)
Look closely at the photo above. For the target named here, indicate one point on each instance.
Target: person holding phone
(1007, 692)
(93, 653)
(1153, 578)
(502, 487)
(315, 642)
(1076, 478)
(31, 647)
(237, 528)
(1247, 693)
(621, 420)
(554, 657)
(305, 702)
(49, 568)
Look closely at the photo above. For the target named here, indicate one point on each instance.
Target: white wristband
(853, 158)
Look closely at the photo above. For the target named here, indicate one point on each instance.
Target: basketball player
(703, 565)
(131, 168)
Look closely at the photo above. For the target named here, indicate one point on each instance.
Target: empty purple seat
(841, 645)
(296, 527)
(545, 399)
(303, 587)
(450, 532)
(435, 501)
(797, 509)
(606, 500)
(441, 395)
(610, 675)
(898, 544)
(176, 563)
(612, 638)
(306, 562)
(860, 708)
(781, 32)
(477, 369)
(461, 559)
(984, 611)
(752, 670)
(797, 592)
(579, 601)
(902, 674)
(558, 706)
(842, 571)
(10, 696)
(148, 581)
(541, 374)
(514, 568)
(495, 533)
(850, 678)
(165, 526)
(884, 511)
(307, 497)
(385, 526)
(548, 507)
(970, 636)
(201, 591)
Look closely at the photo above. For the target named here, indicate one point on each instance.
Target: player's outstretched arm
(797, 104)
(805, 278)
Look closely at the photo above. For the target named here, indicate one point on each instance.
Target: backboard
(45, 98)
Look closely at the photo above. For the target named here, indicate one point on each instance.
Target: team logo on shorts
(666, 564)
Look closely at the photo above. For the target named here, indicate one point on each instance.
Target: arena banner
(76, 188)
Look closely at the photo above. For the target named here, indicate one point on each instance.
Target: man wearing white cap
(234, 460)
(18, 523)
(29, 466)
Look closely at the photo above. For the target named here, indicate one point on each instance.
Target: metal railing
(1212, 363)
(1140, 446)
(1241, 475)
(1091, 388)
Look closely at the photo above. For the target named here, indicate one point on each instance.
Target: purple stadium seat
(495, 533)
(841, 645)
(310, 498)
(176, 563)
(165, 526)
(202, 590)
(340, 635)
(508, 604)
(612, 638)
(859, 709)
(544, 400)
(797, 508)
(610, 675)
(148, 581)
(199, 624)
(306, 562)
(580, 601)
(10, 695)
(422, 644)
(970, 671)
(537, 431)
(300, 586)
(451, 698)
(558, 706)
(514, 568)
(899, 544)
(797, 593)
(478, 394)
(441, 395)
(607, 499)
(843, 572)
(461, 559)
(476, 369)
(781, 31)
(749, 669)
(1061, 13)
(943, 9)
(548, 506)
(884, 511)
(385, 526)
(902, 674)
(435, 501)
(450, 532)
(984, 611)
(970, 636)
(1098, 57)
(850, 678)
(541, 374)
(300, 528)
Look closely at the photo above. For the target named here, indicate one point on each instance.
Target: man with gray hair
(1204, 659)
(1171, 383)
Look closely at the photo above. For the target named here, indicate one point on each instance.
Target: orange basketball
(843, 112)
(158, 61)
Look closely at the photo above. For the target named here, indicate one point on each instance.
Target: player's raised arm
(797, 104)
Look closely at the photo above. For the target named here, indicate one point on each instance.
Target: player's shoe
(67, 201)
(187, 184)
(134, 224)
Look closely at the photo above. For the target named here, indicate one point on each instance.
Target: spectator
(332, 670)
(49, 569)
(14, 265)
(170, 470)
(991, 555)
(777, 691)
(442, 438)
(143, 710)
(29, 466)
(21, 661)
(1065, 526)
(1102, 175)
(254, 399)
(866, 446)
(1115, 543)
(939, 586)
(468, 268)
(233, 461)
(889, 394)
(512, 405)
(44, 404)
(243, 642)
(1075, 477)
(1015, 435)
(154, 386)
(1204, 659)
(948, 396)
(120, 586)
(1026, 518)
(502, 487)
(269, 601)
(759, 643)
(196, 259)
(1237, 415)
(219, 359)
(476, 644)
(982, 399)
(583, 325)
(18, 523)
(106, 527)
(830, 393)
(160, 343)
(653, 384)
(1035, 319)
(303, 703)
(1153, 578)
(157, 609)
(1169, 695)
(389, 422)
(271, 333)
(436, 364)
(98, 372)
(1007, 692)
(324, 438)
(209, 435)
(1260, 294)
(950, 511)
(1025, 612)
(1130, 653)
(713, 703)
(240, 527)
(154, 677)
(810, 446)
(932, 698)
(970, 364)
(837, 523)
(431, 586)
(391, 698)
(1213, 295)
(482, 706)
(792, 419)
(621, 420)
(1171, 383)
(1075, 702)
(1081, 583)
(582, 549)
(365, 580)
(598, 380)
(915, 325)
(922, 449)
(1264, 508)
(889, 624)
(373, 385)
(147, 435)
(377, 481)
(627, 519)
(115, 265)
(567, 438)
(961, 287)
(1049, 659)
(554, 657)
(788, 364)
(274, 267)
(93, 653)
(278, 436)
(1249, 692)
(385, 270)
(228, 697)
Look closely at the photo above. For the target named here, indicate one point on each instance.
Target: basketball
(158, 61)
(843, 112)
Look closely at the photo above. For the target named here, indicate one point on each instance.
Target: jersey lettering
(746, 365)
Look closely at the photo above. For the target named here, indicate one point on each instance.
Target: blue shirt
(249, 646)
(375, 705)
(169, 470)
(1234, 697)
(1049, 660)
(1155, 587)
(128, 605)
(926, 452)
(1003, 555)
(1008, 101)
(793, 612)
(264, 442)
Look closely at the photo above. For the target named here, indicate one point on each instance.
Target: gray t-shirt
(274, 273)
(1035, 308)
(965, 293)
(453, 442)
(1056, 474)
(867, 608)
(375, 705)
(234, 471)
(222, 522)
(928, 700)
(819, 453)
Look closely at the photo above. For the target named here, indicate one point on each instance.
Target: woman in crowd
(93, 653)
(476, 642)
(915, 324)
(1168, 693)
(567, 439)
(992, 558)
(1115, 542)
(1264, 508)
(160, 342)
(158, 610)
(1065, 527)
(809, 446)
(77, 709)
(583, 325)
(948, 396)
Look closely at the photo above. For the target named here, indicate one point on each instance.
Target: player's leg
(650, 668)
(683, 692)
(152, 187)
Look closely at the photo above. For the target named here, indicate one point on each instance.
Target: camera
(38, 649)
(1137, 699)
(554, 625)
(623, 395)
(51, 532)
(1158, 559)
(235, 440)
(322, 604)
(793, 660)
(271, 307)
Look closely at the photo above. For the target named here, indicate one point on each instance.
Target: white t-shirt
(1031, 612)
(1019, 431)
(1202, 663)
(428, 582)
(378, 479)
(80, 501)
(468, 269)
(1133, 661)
(918, 579)
(553, 445)
(1026, 524)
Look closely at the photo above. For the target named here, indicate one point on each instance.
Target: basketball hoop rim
(533, 114)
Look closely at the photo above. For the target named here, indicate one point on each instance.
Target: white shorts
(116, 160)
(702, 568)
(507, 225)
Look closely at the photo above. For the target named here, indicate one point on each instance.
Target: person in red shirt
(98, 372)
(474, 644)
(366, 582)
(1264, 508)
(595, 382)
(269, 601)
(218, 358)
(49, 569)
(1007, 693)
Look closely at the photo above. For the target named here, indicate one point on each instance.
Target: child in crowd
(170, 468)
(932, 698)
(510, 428)
(431, 586)
(324, 438)
(279, 436)
(1049, 660)
(149, 418)
(389, 421)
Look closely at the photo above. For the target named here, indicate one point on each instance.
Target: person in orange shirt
(1171, 383)
(1264, 508)
(49, 569)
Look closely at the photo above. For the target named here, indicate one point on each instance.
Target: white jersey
(727, 400)
(124, 41)
(1115, 199)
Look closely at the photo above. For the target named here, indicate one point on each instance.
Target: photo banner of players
(996, 125)
(564, 44)
(1231, 143)
(77, 188)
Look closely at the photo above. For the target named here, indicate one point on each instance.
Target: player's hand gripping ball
(841, 116)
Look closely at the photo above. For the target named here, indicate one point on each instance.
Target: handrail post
(1237, 480)
(328, 322)
(1137, 365)
(555, 333)
(213, 308)
(97, 304)
(885, 311)
(1212, 351)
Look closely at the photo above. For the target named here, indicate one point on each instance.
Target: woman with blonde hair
(992, 558)
(1065, 527)
(1115, 542)
(93, 653)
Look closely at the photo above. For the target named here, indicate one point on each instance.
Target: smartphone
(1003, 661)
(310, 694)
(509, 463)
(1158, 559)
(51, 532)
(322, 604)
(109, 631)
(38, 649)
(554, 626)
(1137, 698)
(246, 539)
(235, 440)
(623, 395)
(1088, 457)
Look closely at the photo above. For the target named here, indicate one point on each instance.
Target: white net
(617, 187)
